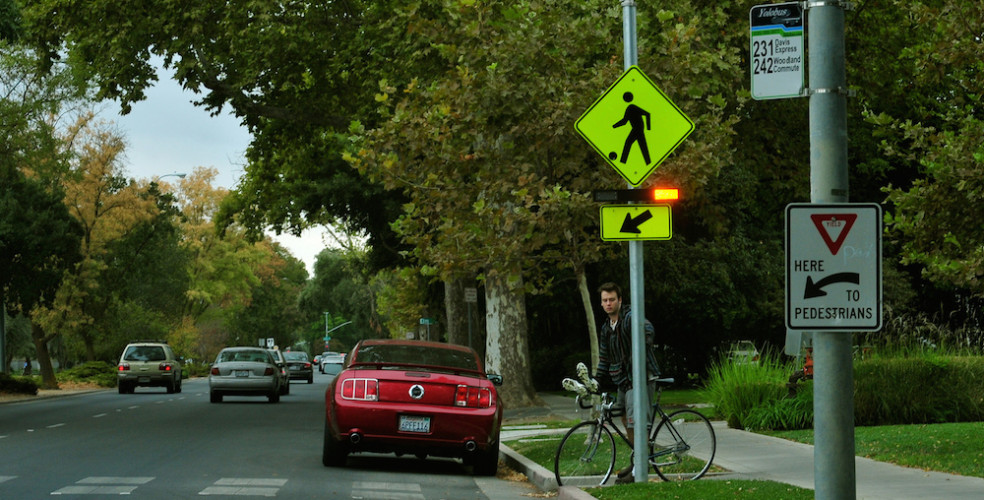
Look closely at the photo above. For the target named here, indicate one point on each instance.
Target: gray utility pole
(636, 286)
(833, 403)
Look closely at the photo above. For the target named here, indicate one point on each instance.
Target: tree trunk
(456, 311)
(507, 348)
(44, 357)
(582, 286)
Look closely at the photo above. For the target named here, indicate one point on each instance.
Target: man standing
(615, 361)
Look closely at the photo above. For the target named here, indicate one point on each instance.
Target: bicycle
(681, 444)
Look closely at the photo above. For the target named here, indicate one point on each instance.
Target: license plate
(242, 373)
(143, 380)
(414, 424)
(294, 367)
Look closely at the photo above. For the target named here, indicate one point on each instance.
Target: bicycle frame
(659, 417)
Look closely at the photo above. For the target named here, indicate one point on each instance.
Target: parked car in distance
(406, 396)
(244, 371)
(332, 363)
(743, 352)
(278, 357)
(299, 366)
(148, 364)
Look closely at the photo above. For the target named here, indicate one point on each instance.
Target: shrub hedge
(917, 390)
(907, 389)
(17, 385)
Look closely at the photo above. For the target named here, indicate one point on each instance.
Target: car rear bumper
(246, 386)
(453, 431)
(145, 379)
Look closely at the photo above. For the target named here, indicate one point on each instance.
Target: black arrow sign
(631, 224)
(815, 289)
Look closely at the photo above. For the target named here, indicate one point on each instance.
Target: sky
(167, 134)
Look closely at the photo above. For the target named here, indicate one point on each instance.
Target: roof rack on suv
(148, 341)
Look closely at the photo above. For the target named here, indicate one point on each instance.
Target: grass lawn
(953, 448)
(704, 489)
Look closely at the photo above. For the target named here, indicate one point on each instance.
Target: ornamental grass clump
(737, 389)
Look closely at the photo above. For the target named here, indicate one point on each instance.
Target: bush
(903, 388)
(738, 389)
(786, 413)
(18, 385)
(919, 388)
(94, 372)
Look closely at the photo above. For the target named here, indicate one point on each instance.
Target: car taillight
(164, 367)
(268, 371)
(214, 370)
(472, 397)
(307, 365)
(124, 367)
(360, 389)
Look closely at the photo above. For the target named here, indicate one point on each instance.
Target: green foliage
(700, 490)
(18, 385)
(794, 412)
(95, 372)
(738, 389)
(921, 388)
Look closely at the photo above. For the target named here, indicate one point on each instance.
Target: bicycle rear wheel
(683, 446)
(586, 456)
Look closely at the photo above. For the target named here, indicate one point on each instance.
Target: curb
(539, 476)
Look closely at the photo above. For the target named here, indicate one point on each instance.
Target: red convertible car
(422, 398)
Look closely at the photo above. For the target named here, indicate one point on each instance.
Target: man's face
(610, 302)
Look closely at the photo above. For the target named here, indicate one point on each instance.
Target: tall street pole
(833, 403)
(640, 401)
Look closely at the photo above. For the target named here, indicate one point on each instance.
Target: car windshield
(295, 356)
(254, 356)
(145, 353)
(417, 355)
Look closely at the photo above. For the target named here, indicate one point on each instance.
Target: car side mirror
(496, 379)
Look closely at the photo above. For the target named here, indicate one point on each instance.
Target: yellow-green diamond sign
(634, 126)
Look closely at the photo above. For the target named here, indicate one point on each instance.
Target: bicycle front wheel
(683, 446)
(586, 456)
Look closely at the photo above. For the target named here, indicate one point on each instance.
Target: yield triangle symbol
(834, 228)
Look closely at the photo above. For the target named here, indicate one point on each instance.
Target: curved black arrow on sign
(816, 289)
(631, 224)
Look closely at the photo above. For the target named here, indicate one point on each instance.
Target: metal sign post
(833, 399)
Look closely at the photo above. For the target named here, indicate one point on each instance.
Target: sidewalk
(754, 456)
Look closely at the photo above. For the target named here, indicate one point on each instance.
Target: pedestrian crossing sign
(634, 126)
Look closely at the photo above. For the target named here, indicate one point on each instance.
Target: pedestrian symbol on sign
(637, 134)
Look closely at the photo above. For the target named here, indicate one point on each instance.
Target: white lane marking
(99, 415)
(52, 426)
(138, 480)
(239, 481)
(94, 490)
(266, 487)
(6, 478)
(103, 485)
(386, 491)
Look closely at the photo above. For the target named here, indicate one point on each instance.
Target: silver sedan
(244, 371)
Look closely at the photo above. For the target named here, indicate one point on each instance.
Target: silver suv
(148, 364)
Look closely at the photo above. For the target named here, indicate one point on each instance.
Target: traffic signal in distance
(649, 194)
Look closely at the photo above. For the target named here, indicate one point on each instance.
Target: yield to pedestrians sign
(833, 267)
(634, 126)
(636, 222)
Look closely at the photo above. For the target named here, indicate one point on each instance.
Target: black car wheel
(334, 452)
(487, 462)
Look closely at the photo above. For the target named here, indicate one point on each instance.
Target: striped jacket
(615, 350)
